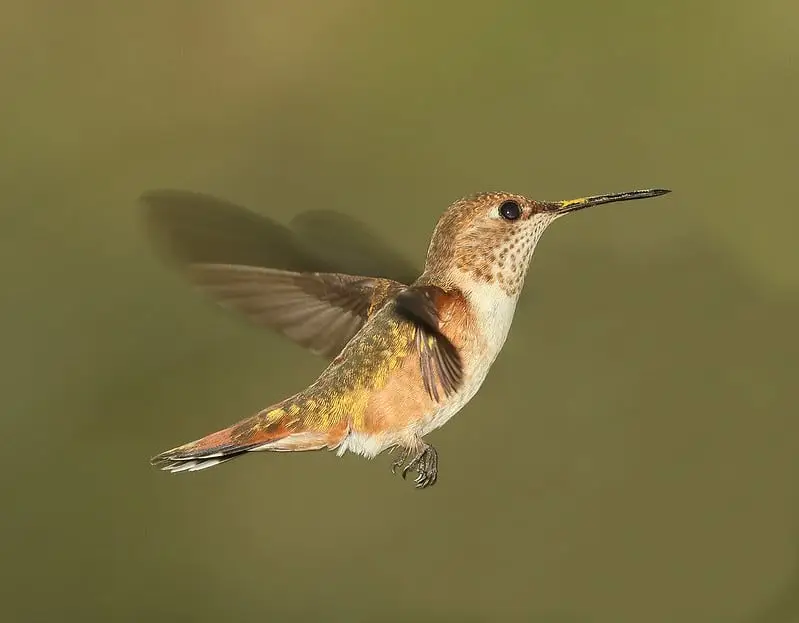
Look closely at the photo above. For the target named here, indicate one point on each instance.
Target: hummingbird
(404, 358)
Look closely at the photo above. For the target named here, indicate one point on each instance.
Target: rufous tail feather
(272, 429)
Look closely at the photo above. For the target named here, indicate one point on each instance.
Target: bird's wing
(248, 262)
(320, 311)
(188, 227)
(439, 359)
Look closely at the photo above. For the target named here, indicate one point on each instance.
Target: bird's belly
(440, 416)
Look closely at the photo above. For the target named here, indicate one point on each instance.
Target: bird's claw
(424, 463)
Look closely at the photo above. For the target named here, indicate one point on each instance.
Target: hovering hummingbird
(405, 357)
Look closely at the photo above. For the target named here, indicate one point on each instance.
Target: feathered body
(406, 357)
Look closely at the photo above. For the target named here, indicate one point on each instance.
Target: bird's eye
(510, 210)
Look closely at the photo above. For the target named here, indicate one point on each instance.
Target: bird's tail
(276, 428)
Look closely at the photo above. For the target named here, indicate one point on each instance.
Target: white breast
(494, 310)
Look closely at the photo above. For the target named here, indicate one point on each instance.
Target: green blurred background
(632, 457)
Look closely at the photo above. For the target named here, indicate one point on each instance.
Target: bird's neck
(493, 309)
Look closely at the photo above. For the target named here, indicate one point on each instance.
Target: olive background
(633, 455)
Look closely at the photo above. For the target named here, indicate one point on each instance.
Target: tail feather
(271, 430)
(189, 465)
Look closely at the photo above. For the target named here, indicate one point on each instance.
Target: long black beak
(572, 205)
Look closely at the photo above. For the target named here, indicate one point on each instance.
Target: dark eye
(510, 210)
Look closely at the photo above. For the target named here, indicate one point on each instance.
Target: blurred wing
(189, 227)
(356, 247)
(290, 279)
(320, 311)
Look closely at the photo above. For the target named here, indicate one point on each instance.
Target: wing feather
(439, 359)
(320, 311)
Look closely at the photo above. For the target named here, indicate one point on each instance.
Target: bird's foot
(424, 462)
